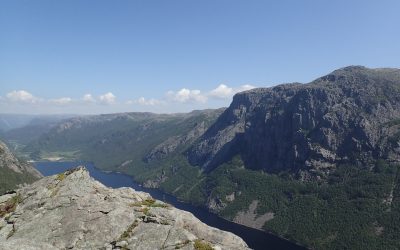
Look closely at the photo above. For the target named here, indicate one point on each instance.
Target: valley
(315, 163)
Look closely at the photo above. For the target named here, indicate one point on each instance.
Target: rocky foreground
(74, 211)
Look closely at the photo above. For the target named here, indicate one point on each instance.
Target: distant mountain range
(317, 163)
(14, 121)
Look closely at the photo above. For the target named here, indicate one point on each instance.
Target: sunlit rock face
(349, 116)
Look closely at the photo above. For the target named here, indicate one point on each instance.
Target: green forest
(354, 208)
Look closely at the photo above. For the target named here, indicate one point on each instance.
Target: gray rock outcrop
(73, 211)
(349, 116)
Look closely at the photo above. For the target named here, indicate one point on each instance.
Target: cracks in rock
(166, 238)
(13, 230)
(57, 207)
(93, 219)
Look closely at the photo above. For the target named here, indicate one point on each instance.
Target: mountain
(349, 116)
(73, 211)
(15, 121)
(18, 130)
(115, 140)
(14, 171)
(11, 121)
(317, 163)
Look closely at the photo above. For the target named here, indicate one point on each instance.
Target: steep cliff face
(348, 116)
(13, 171)
(8, 160)
(73, 211)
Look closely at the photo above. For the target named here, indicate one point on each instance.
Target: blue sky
(175, 56)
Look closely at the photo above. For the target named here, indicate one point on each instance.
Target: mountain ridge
(317, 163)
(302, 108)
(14, 172)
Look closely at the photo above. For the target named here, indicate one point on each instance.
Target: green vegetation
(149, 203)
(146, 210)
(127, 233)
(182, 244)
(10, 205)
(111, 140)
(59, 155)
(201, 245)
(60, 177)
(10, 179)
(350, 209)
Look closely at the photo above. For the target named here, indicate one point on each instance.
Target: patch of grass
(10, 205)
(60, 177)
(182, 244)
(127, 233)
(146, 210)
(202, 245)
(149, 203)
(160, 205)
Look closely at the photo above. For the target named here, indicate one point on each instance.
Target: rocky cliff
(13, 171)
(8, 160)
(348, 116)
(73, 211)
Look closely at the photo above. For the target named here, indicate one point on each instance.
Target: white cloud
(177, 100)
(245, 87)
(222, 91)
(88, 98)
(22, 96)
(187, 95)
(107, 98)
(61, 101)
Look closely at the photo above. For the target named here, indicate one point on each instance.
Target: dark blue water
(255, 239)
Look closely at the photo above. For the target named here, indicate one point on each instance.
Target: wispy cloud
(146, 102)
(61, 101)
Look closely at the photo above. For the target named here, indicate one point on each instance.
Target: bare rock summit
(74, 211)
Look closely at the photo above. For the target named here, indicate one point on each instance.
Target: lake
(254, 238)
